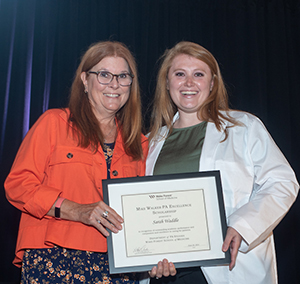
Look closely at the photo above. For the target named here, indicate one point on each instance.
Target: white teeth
(111, 95)
(189, 93)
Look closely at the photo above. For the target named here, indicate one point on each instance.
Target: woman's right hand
(98, 214)
(163, 268)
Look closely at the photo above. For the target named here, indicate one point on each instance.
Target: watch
(57, 207)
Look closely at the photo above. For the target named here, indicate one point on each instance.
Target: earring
(85, 89)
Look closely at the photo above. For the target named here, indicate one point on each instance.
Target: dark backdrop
(256, 43)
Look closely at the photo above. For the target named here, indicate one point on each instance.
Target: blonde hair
(129, 116)
(164, 108)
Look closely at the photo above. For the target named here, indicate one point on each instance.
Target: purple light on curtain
(8, 79)
(48, 72)
(27, 98)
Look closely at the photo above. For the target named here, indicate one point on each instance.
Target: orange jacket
(43, 170)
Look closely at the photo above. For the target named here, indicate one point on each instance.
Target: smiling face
(106, 100)
(189, 82)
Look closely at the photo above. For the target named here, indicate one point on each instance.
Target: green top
(181, 150)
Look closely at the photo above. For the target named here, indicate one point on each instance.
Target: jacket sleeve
(24, 184)
(274, 189)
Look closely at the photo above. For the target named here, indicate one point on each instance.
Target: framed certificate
(180, 217)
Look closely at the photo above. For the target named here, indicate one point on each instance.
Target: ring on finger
(99, 222)
(105, 214)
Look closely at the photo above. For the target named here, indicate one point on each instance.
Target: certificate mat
(180, 217)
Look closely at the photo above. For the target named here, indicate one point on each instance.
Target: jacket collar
(119, 149)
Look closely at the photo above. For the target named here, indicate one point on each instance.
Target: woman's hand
(233, 241)
(98, 214)
(163, 268)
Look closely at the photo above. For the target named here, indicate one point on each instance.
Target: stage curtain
(256, 43)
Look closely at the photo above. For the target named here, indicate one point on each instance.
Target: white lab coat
(259, 187)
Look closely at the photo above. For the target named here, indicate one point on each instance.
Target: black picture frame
(178, 186)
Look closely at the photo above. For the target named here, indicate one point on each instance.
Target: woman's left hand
(233, 241)
(98, 214)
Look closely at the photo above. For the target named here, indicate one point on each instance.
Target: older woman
(56, 179)
(192, 130)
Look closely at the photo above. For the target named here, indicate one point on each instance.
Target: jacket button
(69, 155)
(115, 173)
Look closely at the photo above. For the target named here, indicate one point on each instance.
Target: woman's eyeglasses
(105, 77)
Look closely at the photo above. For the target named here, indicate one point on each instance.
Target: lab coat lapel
(212, 139)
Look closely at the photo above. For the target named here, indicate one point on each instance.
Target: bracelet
(57, 207)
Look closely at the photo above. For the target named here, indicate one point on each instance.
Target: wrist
(57, 207)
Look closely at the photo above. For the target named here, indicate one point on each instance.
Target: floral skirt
(59, 265)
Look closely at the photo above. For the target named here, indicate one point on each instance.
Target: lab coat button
(115, 173)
